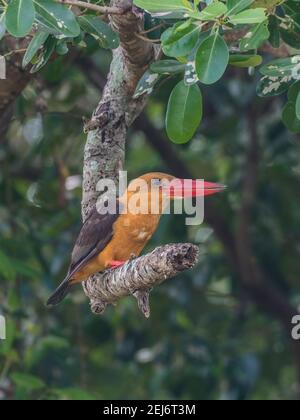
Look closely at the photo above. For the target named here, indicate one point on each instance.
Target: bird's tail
(60, 293)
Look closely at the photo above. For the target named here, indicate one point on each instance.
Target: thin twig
(144, 38)
(154, 28)
(20, 51)
(104, 10)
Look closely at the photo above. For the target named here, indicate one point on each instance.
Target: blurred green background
(217, 332)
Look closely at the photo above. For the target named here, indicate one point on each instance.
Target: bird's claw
(113, 265)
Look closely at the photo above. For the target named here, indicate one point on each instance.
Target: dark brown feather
(95, 234)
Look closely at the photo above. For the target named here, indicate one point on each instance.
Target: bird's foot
(115, 264)
(132, 257)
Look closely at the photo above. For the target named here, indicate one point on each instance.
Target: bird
(107, 241)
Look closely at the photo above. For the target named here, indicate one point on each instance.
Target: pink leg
(115, 264)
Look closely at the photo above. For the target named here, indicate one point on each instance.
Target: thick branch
(137, 277)
(104, 157)
(105, 147)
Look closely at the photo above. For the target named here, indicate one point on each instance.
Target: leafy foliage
(100, 30)
(53, 26)
(195, 35)
(212, 59)
(255, 37)
(204, 339)
(184, 112)
(207, 57)
(19, 17)
(245, 60)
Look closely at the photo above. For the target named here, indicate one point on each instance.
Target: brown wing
(95, 234)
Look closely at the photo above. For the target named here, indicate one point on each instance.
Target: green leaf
(160, 5)
(45, 55)
(178, 42)
(62, 48)
(184, 112)
(99, 29)
(178, 15)
(211, 59)
(290, 30)
(212, 11)
(146, 84)
(167, 9)
(6, 267)
(293, 92)
(247, 60)
(53, 342)
(190, 74)
(281, 67)
(250, 17)
(268, 4)
(255, 37)
(57, 18)
(273, 86)
(35, 44)
(167, 67)
(75, 394)
(19, 17)
(290, 119)
(273, 28)
(26, 381)
(187, 4)
(236, 6)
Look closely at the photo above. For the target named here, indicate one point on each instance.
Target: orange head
(154, 190)
(172, 186)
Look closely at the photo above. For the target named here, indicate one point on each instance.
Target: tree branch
(138, 276)
(105, 147)
(104, 157)
(105, 10)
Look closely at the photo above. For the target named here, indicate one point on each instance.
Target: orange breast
(131, 234)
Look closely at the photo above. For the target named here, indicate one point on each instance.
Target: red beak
(185, 188)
